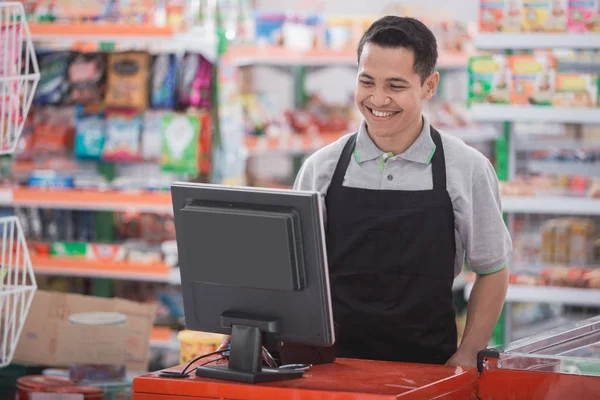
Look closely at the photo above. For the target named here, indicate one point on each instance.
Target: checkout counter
(558, 364)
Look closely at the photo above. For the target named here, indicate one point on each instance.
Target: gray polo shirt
(480, 232)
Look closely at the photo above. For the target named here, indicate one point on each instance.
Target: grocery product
(195, 80)
(584, 16)
(545, 15)
(151, 135)
(164, 74)
(500, 15)
(90, 132)
(53, 85)
(489, 79)
(576, 90)
(194, 344)
(533, 79)
(123, 135)
(180, 147)
(86, 78)
(127, 80)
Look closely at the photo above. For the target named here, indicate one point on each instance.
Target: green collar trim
(431, 155)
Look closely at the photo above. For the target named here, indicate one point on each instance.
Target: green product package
(489, 79)
(180, 143)
(68, 249)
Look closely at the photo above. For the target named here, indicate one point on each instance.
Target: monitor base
(266, 375)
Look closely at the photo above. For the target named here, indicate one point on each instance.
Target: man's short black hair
(393, 32)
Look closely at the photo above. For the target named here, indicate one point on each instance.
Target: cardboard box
(48, 338)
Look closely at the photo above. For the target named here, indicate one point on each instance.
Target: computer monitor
(253, 264)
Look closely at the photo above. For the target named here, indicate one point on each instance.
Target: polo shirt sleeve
(482, 229)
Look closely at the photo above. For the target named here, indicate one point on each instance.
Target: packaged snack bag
(180, 143)
(87, 78)
(164, 79)
(195, 79)
(128, 75)
(90, 131)
(53, 85)
(123, 134)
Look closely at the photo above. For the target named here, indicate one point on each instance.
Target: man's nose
(380, 99)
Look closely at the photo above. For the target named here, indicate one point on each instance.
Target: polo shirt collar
(421, 151)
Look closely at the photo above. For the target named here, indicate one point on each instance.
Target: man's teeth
(381, 114)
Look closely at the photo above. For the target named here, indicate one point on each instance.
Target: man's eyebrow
(365, 75)
(398, 79)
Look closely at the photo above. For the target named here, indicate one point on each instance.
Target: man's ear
(430, 85)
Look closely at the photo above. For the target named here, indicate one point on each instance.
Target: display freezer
(563, 363)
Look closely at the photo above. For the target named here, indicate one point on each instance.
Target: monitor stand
(245, 354)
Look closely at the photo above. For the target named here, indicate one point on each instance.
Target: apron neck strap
(438, 162)
(344, 161)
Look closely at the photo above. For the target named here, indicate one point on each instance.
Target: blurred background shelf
(548, 294)
(78, 267)
(562, 205)
(501, 113)
(74, 199)
(529, 40)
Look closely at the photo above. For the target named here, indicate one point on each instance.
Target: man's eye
(366, 83)
(397, 87)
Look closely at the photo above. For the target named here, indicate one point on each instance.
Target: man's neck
(402, 141)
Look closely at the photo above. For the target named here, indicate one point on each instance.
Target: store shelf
(548, 294)
(583, 67)
(500, 113)
(293, 143)
(77, 267)
(535, 144)
(481, 133)
(529, 40)
(106, 36)
(589, 170)
(562, 205)
(281, 56)
(74, 199)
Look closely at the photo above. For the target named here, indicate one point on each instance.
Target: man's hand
(463, 358)
(224, 343)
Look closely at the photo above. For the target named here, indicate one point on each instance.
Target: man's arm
(485, 305)
(487, 246)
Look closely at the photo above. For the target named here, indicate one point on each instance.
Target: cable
(195, 360)
(212, 361)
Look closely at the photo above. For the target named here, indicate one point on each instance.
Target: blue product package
(53, 85)
(269, 26)
(50, 179)
(164, 80)
(90, 133)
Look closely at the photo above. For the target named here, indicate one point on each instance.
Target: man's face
(389, 93)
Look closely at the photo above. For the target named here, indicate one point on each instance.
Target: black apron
(391, 265)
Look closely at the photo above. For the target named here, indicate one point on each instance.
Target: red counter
(343, 380)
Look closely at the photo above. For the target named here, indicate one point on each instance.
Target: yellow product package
(545, 15)
(576, 90)
(194, 344)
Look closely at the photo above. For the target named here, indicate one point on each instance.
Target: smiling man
(405, 204)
